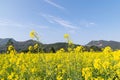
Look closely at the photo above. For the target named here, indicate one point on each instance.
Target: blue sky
(84, 20)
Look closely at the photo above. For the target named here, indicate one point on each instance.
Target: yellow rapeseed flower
(66, 36)
(30, 48)
(106, 65)
(59, 77)
(32, 34)
(10, 47)
(36, 46)
(33, 70)
(10, 77)
(107, 49)
(86, 73)
(97, 64)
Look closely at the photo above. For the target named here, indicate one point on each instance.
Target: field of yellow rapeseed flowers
(75, 64)
(61, 66)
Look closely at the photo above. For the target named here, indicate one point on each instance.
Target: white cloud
(64, 23)
(60, 21)
(92, 23)
(54, 4)
(47, 17)
(6, 23)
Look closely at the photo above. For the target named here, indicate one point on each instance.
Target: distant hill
(19, 45)
(4, 41)
(22, 46)
(102, 43)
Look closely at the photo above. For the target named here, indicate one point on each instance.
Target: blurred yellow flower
(10, 77)
(97, 64)
(86, 72)
(32, 34)
(107, 49)
(59, 77)
(30, 48)
(66, 36)
(106, 64)
(36, 46)
(10, 47)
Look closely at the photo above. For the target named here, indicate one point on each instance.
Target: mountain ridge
(103, 43)
(22, 46)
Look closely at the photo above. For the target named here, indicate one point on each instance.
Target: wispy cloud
(92, 23)
(54, 4)
(60, 21)
(14, 24)
(63, 22)
(87, 24)
(6, 22)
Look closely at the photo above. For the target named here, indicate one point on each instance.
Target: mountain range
(22, 46)
(103, 43)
